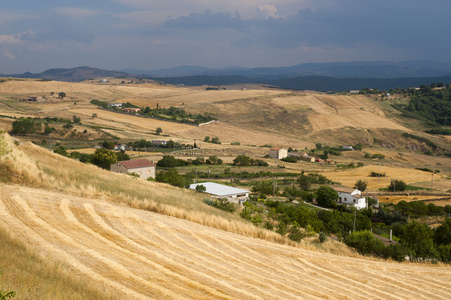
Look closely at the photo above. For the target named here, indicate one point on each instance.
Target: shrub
(365, 243)
(200, 188)
(397, 185)
(269, 225)
(322, 237)
(295, 233)
(360, 185)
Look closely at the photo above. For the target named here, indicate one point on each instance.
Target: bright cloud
(267, 10)
(16, 38)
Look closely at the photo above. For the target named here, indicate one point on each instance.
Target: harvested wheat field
(147, 255)
(409, 176)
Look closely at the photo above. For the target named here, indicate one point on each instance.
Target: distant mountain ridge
(283, 77)
(71, 75)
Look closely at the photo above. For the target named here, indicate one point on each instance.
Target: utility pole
(379, 174)
(432, 182)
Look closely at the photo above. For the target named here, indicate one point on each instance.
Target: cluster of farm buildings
(145, 169)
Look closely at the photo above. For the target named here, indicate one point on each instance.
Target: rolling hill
(139, 239)
(139, 254)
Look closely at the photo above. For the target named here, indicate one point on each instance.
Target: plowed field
(147, 255)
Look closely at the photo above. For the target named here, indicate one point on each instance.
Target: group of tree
(25, 126)
(243, 160)
(102, 157)
(214, 140)
(416, 240)
(29, 125)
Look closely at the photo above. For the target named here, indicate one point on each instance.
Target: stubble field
(146, 255)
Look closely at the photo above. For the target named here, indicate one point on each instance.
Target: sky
(154, 34)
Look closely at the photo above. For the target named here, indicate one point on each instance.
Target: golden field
(109, 236)
(138, 239)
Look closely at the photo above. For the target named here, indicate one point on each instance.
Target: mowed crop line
(201, 259)
(144, 254)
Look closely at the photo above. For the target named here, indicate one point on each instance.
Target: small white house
(142, 167)
(278, 153)
(216, 190)
(352, 198)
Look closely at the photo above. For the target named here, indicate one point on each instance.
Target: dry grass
(350, 176)
(33, 276)
(148, 255)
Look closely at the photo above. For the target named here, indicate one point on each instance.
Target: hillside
(87, 219)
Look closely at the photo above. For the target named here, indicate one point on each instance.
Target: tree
(61, 151)
(326, 196)
(201, 188)
(215, 140)
(397, 185)
(76, 119)
(172, 177)
(360, 185)
(104, 158)
(242, 160)
(158, 131)
(121, 156)
(442, 234)
(61, 95)
(25, 126)
(365, 243)
(304, 182)
(207, 139)
(419, 237)
(94, 115)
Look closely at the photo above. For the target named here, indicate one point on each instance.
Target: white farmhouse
(141, 167)
(216, 190)
(352, 198)
(278, 153)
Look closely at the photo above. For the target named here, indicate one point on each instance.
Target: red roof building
(141, 167)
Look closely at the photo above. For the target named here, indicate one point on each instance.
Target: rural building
(118, 105)
(216, 190)
(278, 153)
(103, 80)
(33, 99)
(159, 143)
(306, 157)
(351, 198)
(347, 147)
(295, 154)
(142, 167)
(132, 110)
(120, 147)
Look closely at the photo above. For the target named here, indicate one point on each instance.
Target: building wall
(279, 154)
(348, 199)
(144, 173)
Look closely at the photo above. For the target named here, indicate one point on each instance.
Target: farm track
(147, 255)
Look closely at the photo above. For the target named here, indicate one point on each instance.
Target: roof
(219, 189)
(354, 192)
(276, 148)
(136, 163)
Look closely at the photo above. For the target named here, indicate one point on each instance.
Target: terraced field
(147, 255)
